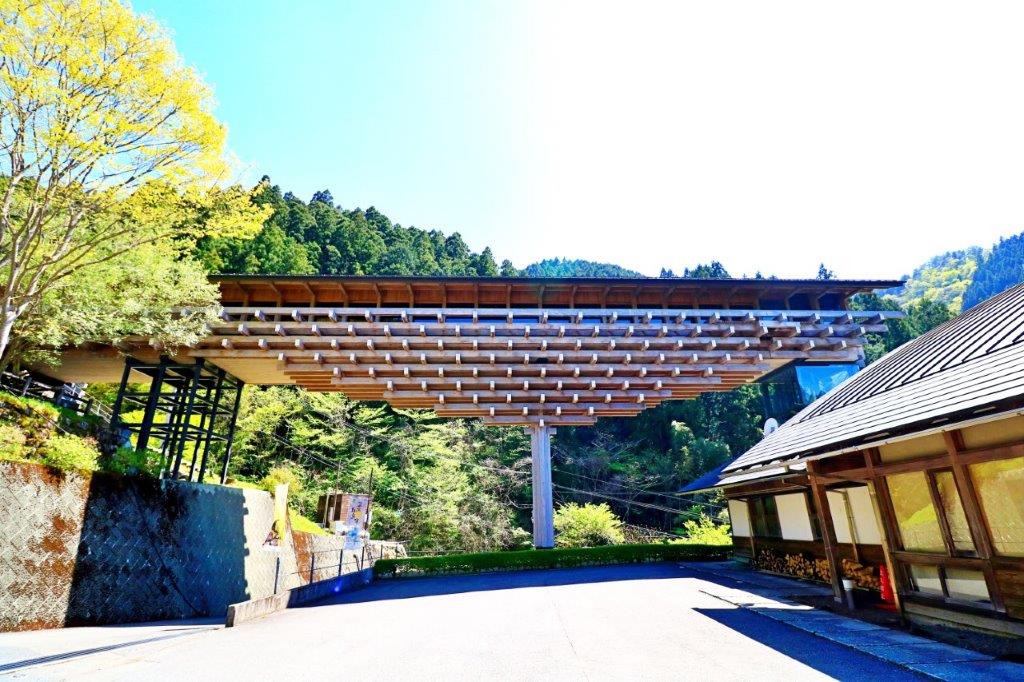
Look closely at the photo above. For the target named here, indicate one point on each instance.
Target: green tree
(136, 293)
(587, 525)
(110, 143)
(713, 270)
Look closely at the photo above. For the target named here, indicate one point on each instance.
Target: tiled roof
(965, 366)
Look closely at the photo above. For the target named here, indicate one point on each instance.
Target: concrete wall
(80, 549)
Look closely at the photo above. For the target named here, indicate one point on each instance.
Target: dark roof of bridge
(532, 291)
(971, 365)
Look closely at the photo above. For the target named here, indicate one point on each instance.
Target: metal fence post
(277, 572)
(341, 561)
(312, 565)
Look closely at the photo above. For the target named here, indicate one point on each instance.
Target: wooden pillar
(543, 503)
(879, 493)
(968, 497)
(828, 532)
(750, 528)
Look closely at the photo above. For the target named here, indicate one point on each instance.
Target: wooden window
(963, 585)
(765, 517)
(930, 514)
(966, 585)
(916, 516)
(925, 580)
(953, 510)
(1000, 488)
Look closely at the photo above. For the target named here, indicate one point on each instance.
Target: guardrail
(30, 386)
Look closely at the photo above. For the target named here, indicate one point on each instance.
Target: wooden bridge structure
(536, 353)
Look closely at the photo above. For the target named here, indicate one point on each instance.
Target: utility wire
(635, 489)
(656, 507)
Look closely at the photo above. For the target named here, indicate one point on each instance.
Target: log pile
(808, 567)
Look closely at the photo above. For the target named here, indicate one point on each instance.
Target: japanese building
(915, 464)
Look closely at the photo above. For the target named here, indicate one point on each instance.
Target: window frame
(940, 515)
(760, 518)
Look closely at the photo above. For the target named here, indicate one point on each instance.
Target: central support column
(543, 506)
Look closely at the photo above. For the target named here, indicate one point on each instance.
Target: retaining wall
(81, 549)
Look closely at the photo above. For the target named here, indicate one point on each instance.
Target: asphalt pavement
(651, 622)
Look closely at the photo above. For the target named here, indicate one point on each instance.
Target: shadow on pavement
(174, 632)
(826, 657)
(411, 588)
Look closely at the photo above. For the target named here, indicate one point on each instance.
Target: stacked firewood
(862, 576)
(808, 567)
(796, 565)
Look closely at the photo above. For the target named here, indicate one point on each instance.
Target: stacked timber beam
(531, 366)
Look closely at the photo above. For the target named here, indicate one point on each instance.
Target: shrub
(386, 523)
(704, 531)
(587, 525)
(12, 443)
(71, 452)
(37, 420)
(279, 475)
(549, 558)
(130, 462)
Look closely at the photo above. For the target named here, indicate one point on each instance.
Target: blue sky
(649, 134)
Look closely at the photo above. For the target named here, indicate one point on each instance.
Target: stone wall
(88, 549)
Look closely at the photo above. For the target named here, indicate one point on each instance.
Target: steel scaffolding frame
(186, 407)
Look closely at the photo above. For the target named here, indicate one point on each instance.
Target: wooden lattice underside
(531, 366)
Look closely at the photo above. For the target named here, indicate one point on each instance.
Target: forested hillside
(943, 279)
(961, 279)
(1001, 269)
(563, 267)
(319, 238)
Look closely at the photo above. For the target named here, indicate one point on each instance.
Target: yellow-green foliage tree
(107, 143)
(587, 525)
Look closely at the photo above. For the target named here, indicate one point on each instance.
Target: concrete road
(649, 622)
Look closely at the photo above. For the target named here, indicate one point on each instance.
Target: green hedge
(549, 558)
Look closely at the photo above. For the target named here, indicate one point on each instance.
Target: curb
(253, 609)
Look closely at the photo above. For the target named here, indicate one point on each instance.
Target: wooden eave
(527, 293)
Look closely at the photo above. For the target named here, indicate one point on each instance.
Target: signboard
(356, 520)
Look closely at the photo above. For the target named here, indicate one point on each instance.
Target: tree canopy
(109, 143)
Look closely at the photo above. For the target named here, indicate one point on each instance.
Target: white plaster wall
(863, 516)
(740, 519)
(838, 508)
(794, 520)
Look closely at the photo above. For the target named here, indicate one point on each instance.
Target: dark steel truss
(188, 411)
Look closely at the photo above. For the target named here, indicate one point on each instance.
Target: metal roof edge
(882, 439)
